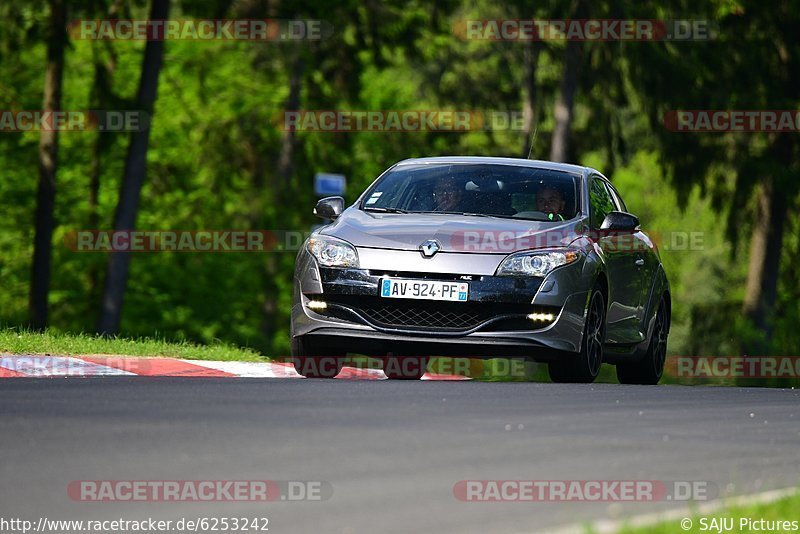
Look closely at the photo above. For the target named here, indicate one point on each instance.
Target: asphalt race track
(392, 451)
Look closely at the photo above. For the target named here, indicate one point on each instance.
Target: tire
(650, 369)
(318, 365)
(585, 366)
(404, 367)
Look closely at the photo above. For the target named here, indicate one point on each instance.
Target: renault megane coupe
(482, 257)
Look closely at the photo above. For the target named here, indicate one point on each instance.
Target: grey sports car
(482, 257)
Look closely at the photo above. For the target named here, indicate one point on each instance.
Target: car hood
(454, 233)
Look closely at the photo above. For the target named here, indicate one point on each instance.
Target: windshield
(476, 189)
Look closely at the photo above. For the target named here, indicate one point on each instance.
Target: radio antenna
(533, 141)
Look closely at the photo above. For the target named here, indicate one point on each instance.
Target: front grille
(421, 314)
(424, 315)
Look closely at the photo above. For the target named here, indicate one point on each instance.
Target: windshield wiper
(440, 212)
(469, 213)
(489, 215)
(384, 210)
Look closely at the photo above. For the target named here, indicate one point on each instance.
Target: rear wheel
(404, 367)
(649, 369)
(315, 363)
(585, 366)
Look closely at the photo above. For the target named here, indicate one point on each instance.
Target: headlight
(332, 252)
(535, 263)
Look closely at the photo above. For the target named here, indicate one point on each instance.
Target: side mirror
(329, 207)
(619, 220)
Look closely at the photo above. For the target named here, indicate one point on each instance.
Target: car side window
(617, 198)
(601, 202)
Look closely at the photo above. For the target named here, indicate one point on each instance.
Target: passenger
(550, 201)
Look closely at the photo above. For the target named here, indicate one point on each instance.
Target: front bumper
(494, 323)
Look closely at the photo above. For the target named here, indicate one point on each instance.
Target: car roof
(533, 163)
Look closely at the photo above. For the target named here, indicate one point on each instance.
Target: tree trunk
(133, 178)
(48, 164)
(101, 99)
(559, 149)
(286, 194)
(765, 252)
(286, 158)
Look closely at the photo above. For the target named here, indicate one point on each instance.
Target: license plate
(394, 288)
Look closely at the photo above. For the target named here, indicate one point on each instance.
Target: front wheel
(648, 370)
(404, 367)
(315, 364)
(585, 366)
(318, 366)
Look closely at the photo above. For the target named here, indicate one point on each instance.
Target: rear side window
(617, 198)
(601, 202)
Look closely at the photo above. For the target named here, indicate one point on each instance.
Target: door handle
(639, 262)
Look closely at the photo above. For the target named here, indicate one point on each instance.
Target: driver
(550, 201)
(447, 194)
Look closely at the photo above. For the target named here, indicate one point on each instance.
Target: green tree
(48, 167)
(135, 172)
(760, 70)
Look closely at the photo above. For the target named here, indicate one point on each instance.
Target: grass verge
(18, 341)
(775, 513)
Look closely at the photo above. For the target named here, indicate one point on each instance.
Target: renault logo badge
(429, 248)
